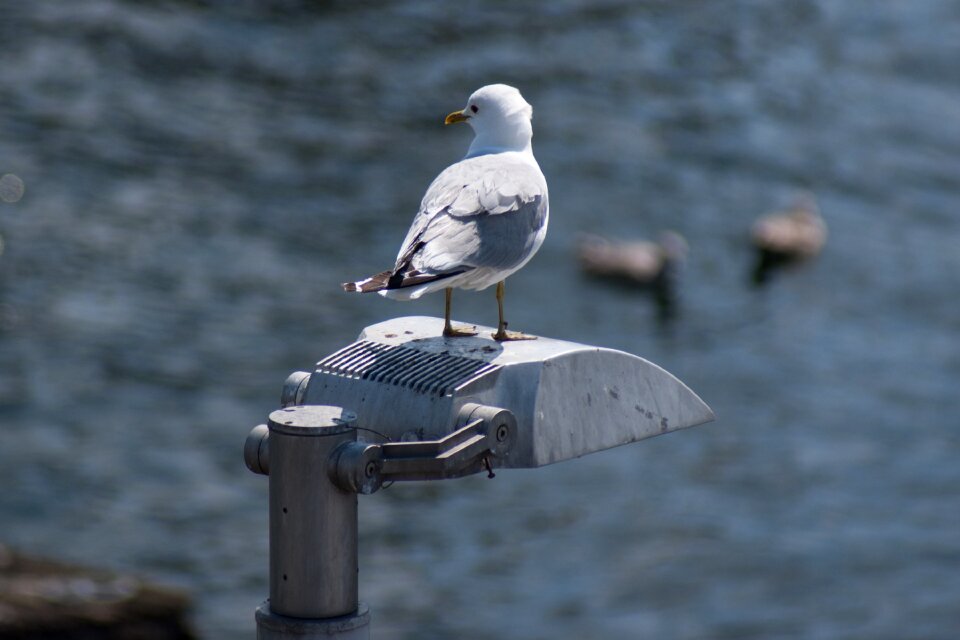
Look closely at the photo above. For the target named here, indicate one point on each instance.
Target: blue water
(200, 176)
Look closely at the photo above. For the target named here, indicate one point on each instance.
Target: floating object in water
(639, 263)
(790, 236)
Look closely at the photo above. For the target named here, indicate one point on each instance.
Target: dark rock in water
(44, 599)
(787, 237)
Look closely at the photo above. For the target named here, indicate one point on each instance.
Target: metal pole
(313, 531)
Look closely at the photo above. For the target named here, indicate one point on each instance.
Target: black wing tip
(392, 280)
(373, 283)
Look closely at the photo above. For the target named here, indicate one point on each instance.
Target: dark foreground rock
(43, 599)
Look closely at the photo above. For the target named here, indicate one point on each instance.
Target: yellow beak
(456, 116)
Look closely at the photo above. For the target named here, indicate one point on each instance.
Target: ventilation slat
(420, 371)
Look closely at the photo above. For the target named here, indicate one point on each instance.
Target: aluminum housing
(406, 381)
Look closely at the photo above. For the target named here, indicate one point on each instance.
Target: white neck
(514, 134)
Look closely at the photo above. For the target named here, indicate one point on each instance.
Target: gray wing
(480, 212)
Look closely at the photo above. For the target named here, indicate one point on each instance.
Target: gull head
(500, 119)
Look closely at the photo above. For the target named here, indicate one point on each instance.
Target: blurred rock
(44, 599)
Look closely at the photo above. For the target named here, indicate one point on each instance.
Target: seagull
(481, 219)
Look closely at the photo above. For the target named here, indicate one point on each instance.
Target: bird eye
(474, 108)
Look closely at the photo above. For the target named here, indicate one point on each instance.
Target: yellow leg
(501, 324)
(448, 329)
(448, 294)
(502, 334)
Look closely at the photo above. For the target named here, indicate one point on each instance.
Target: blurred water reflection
(201, 175)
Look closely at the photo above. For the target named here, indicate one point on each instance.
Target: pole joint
(485, 434)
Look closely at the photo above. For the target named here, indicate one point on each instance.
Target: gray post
(313, 531)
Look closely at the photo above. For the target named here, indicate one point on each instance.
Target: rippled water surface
(199, 176)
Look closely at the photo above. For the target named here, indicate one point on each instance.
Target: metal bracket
(485, 434)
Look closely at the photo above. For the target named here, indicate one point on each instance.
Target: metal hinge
(486, 434)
